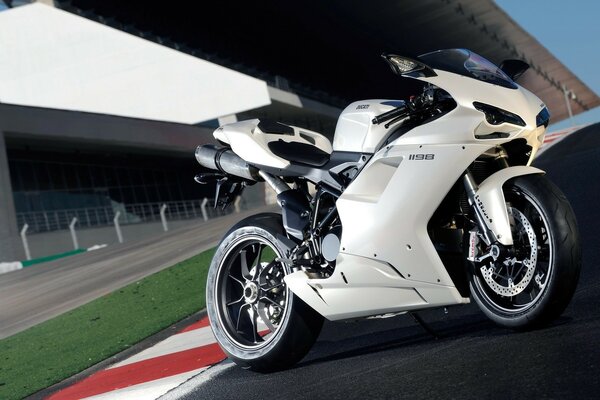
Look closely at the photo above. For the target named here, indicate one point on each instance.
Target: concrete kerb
(17, 265)
(10, 266)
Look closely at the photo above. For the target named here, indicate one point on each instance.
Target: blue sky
(571, 31)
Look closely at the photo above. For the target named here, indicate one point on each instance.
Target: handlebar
(388, 115)
(424, 100)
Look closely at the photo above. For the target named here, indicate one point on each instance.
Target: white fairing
(463, 123)
(387, 261)
(250, 143)
(373, 288)
(387, 256)
(384, 215)
(355, 130)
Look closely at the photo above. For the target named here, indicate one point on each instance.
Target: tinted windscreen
(467, 63)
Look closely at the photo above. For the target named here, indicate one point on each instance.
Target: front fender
(491, 200)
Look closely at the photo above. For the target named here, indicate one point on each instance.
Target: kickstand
(417, 318)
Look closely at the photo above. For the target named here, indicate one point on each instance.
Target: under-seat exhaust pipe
(223, 159)
(278, 185)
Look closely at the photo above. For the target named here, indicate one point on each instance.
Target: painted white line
(97, 247)
(148, 390)
(10, 266)
(179, 342)
(193, 383)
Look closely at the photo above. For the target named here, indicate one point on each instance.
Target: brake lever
(386, 116)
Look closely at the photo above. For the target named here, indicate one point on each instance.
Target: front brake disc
(513, 288)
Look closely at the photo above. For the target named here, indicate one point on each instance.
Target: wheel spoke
(244, 265)
(237, 280)
(500, 275)
(257, 262)
(512, 271)
(237, 324)
(270, 301)
(254, 322)
(520, 269)
(267, 288)
(235, 301)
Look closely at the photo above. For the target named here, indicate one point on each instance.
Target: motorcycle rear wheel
(256, 319)
(533, 287)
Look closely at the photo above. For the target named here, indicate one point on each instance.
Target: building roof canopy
(334, 46)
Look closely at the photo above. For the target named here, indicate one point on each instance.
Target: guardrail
(46, 221)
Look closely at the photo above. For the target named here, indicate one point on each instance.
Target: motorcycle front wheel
(256, 319)
(531, 285)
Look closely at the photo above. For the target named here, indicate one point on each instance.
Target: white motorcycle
(423, 203)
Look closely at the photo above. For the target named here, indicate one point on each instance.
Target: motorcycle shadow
(409, 336)
(331, 347)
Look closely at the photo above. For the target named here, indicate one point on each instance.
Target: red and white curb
(154, 371)
(554, 137)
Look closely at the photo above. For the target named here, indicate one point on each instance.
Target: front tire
(256, 319)
(534, 285)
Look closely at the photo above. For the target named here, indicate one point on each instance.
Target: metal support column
(163, 217)
(9, 232)
(568, 96)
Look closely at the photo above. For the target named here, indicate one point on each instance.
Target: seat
(277, 128)
(299, 152)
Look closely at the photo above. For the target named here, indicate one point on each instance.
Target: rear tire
(242, 295)
(543, 210)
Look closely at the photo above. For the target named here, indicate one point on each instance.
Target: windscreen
(467, 63)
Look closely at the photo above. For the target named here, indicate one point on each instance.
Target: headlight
(496, 116)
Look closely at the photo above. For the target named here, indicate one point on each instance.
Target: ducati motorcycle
(421, 203)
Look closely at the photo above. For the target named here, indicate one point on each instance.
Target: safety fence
(47, 221)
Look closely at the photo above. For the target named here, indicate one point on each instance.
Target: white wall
(55, 59)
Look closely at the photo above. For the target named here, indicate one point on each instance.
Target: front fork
(471, 188)
(489, 205)
(475, 201)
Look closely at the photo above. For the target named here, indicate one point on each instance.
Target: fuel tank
(355, 131)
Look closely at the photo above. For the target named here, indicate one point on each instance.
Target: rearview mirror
(514, 68)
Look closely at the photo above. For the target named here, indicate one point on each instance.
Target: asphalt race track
(472, 358)
(33, 295)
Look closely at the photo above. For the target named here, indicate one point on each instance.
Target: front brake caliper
(473, 242)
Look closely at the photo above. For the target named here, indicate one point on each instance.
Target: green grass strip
(61, 347)
(28, 263)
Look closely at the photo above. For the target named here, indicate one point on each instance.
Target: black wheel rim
(250, 294)
(526, 216)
